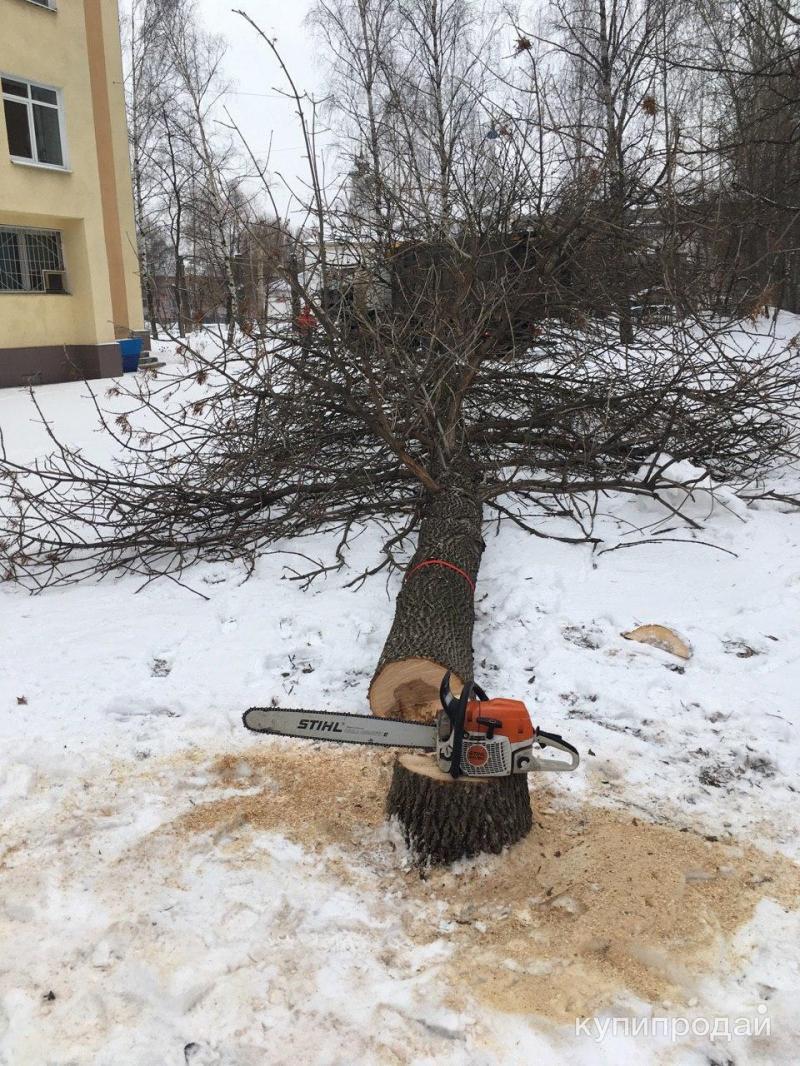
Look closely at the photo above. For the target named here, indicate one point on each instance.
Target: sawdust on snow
(594, 906)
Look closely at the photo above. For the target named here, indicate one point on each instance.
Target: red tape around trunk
(441, 562)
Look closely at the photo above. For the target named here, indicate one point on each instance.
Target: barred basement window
(34, 122)
(31, 260)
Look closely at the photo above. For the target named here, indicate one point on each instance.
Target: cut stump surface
(409, 689)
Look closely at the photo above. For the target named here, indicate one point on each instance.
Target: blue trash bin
(131, 350)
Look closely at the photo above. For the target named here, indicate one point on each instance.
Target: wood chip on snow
(661, 637)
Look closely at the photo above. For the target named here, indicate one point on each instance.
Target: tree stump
(444, 819)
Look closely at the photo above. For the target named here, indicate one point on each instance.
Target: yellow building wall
(51, 47)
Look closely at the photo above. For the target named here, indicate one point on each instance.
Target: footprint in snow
(200, 1055)
(216, 576)
(125, 710)
(739, 649)
(582, 636)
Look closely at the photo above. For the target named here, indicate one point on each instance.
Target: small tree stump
(444, 819)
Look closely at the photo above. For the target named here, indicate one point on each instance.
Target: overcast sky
(255, 77)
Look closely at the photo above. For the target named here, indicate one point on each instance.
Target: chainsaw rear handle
(553, 740)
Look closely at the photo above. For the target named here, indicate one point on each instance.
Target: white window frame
(58, 107)
(25, 262)
(47, 5)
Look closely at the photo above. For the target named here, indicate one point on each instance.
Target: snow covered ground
(176, 891)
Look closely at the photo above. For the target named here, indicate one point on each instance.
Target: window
(31, 260)
(45, 3)
(33, 122)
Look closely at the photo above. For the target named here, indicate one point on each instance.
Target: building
(69, 284)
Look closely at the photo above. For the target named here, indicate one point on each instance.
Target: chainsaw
(473, 736)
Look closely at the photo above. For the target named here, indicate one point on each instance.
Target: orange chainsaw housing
(513, 715)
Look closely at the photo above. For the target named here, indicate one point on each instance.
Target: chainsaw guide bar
(472, 737)
(341, 728)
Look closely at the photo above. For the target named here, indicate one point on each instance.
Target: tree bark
(180, 295)
(147, 284)
(445, 820)
(433, 622)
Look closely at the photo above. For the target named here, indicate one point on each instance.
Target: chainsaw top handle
(450, 702)
(456, 711)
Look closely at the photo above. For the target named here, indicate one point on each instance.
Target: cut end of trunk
(444, 820)
(409, 689)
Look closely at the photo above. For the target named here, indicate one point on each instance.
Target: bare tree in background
(145, 87)
(613, 117)
(749, 55)
(177, 171)
(185, 176)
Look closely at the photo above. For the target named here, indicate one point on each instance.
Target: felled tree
(440, 378)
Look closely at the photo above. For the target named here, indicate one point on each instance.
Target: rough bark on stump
(444, 820)
(434, 617)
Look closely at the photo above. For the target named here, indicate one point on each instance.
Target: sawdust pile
(320, 798)
(593, 907)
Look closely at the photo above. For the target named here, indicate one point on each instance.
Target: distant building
(69, 284)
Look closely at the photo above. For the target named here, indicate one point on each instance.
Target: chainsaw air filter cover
(512, 717)
(485, 758)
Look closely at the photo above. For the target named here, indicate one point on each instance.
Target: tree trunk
(186, 310)
(293, 270)
(445, 820)
(432, 628)
(231, 299)
(151, 304)
(260, 310)
(180, 295)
